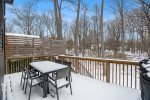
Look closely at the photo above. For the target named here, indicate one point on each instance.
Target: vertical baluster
(78, 66)
(90, 71)
(16, 66)
(112, 72)
(127, 75)
(119, 74)
(98, 70)
(116, 73)
(75, 66)
(25, 62)
(135, 77)
(88, 68)
(103, 69)
(77, 62)
(85, 66)
(19, 65)
(123, 74)
(95, 70)
(131, 76)
(81, 66)
(11, 66)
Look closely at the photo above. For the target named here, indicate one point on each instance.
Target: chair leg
(70, 85)
(23, 83)
(26, 86)
(30, 92)
(21, 79)
(57, 91)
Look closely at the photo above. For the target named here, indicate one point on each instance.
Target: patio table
(46, 67)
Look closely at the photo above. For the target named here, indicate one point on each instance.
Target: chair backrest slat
(63, 73)
(67, 63)
(57, 61)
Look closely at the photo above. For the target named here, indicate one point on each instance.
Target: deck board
(84, 88)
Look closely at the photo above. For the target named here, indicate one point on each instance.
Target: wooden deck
(84, 88)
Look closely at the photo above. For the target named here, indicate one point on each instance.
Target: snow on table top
(47, 66)
(83, 88)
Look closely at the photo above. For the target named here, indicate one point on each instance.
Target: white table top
(47, 66)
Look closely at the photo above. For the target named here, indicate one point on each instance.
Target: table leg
(47, 85)
(44, 86)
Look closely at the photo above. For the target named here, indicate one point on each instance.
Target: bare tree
(101, 29)
(84, 27)
(145, 9)
(77, 29)
(49, 22)
(114, 35)
(119, 9)
(9, 26)
(96, 30)
(39, 26)
(24, 17)
(58, 17)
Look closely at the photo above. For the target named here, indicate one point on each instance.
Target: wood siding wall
(27, 46)
(2, 31)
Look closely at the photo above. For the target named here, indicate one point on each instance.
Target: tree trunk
(77, 29)
(101, 30)
(57, 9)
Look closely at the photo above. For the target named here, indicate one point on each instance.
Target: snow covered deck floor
(84, 88)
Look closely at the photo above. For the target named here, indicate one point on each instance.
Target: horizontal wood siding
(21, 45)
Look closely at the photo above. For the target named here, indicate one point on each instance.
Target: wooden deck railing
(121, 72)
(13, 64)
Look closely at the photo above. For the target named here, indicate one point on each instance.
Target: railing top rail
(103, 60)
(26, 56)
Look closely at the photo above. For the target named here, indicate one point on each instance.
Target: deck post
(108, 72)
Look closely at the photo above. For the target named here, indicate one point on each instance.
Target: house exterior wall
(2, 31)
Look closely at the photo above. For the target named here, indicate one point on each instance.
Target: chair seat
(60, 83)
(35, 81)
(58, 80)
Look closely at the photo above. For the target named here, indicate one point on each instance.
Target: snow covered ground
(84, 88)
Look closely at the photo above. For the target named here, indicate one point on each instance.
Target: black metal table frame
(45, 81)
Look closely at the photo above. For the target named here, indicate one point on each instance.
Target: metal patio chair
(32, 81)
(61, 75)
